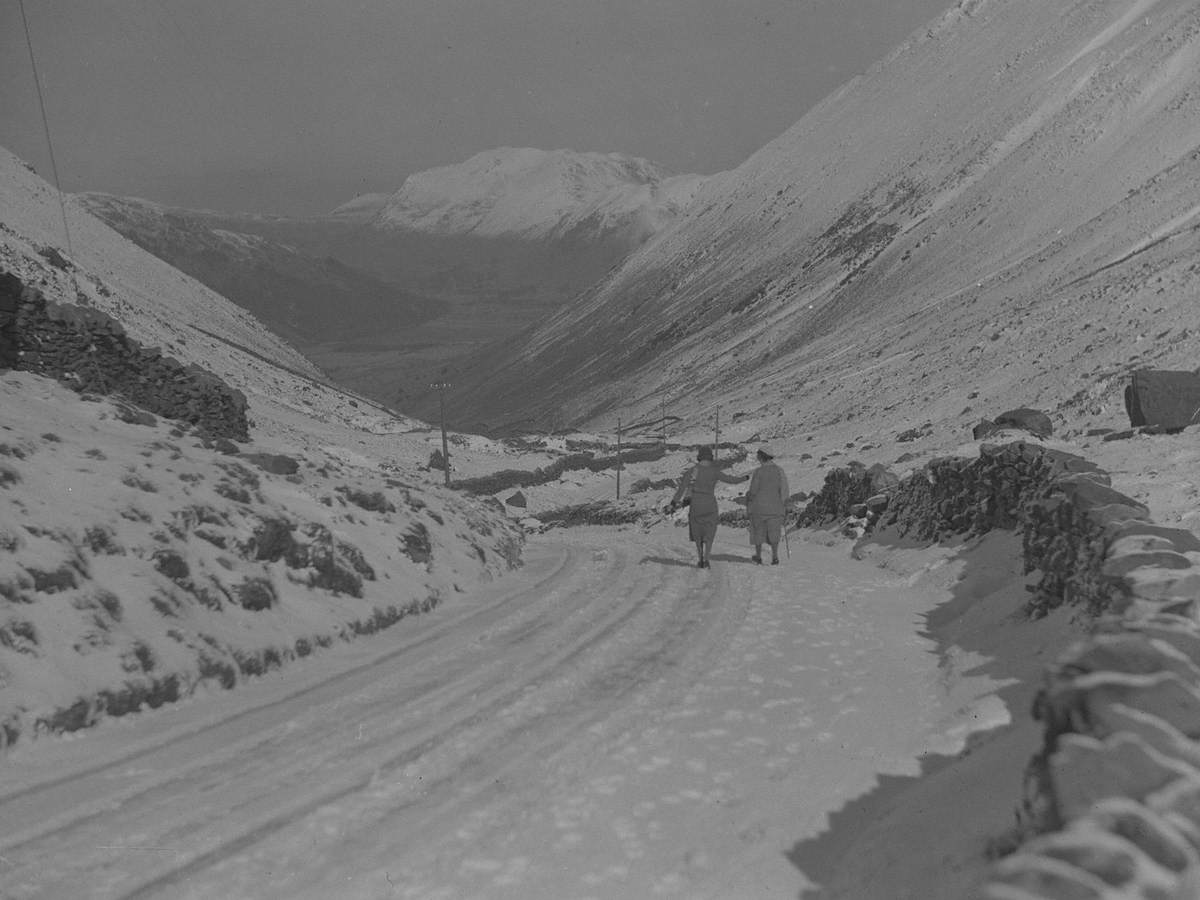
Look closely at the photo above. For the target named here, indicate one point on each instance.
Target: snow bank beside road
(932, 834)
(1107, 801)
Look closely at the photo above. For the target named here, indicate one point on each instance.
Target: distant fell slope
(308, 299)
(1003, 208)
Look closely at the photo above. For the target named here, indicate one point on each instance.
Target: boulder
(983, 429)
(877, 503)
(275, 463)
(1032, 420)
(517, 499)
(1164, 398)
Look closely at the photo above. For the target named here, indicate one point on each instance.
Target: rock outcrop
(1034, 421)
(1169, 400)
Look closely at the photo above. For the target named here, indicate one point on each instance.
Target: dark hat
(765, 453)
(704, 452)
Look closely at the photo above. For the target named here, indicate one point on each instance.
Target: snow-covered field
(608, 722)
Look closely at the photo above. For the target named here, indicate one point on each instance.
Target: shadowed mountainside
(303, 298)
(1003, 209)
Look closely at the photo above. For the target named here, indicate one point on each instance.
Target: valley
(292, 650)
(389, 293)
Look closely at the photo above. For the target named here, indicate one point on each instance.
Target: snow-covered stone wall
(90, 351)
(1112, 798)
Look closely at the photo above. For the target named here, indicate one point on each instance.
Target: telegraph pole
(441, 387)
(717, 435)
(618, 459)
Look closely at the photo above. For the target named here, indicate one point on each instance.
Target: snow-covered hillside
(541, 195)
(141, 560)
(1001, 213)
(158, 305)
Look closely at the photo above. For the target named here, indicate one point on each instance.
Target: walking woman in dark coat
(702, 479)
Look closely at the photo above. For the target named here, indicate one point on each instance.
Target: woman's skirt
(702, 526)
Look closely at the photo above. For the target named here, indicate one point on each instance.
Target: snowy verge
(1107, 806)
(139, 564)
(933, 834)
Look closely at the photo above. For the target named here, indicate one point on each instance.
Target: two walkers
(766, 500)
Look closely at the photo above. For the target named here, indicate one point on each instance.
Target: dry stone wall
(90, 351)
(1112, 798)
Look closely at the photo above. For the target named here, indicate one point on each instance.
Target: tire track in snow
(491, 772)
(78, 787)
(568, 634)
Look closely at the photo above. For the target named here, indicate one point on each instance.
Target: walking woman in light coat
(702, 480)
(766, 503)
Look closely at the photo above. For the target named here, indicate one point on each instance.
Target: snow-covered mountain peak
(537, 194)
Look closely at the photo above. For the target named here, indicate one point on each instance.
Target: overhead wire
(37, 82)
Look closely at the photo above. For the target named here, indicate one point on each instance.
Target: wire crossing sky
(294, 106)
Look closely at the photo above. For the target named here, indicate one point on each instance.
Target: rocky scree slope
(1003, 209)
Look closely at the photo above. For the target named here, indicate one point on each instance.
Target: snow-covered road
(610, 721)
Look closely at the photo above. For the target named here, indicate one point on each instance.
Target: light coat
(768, 491)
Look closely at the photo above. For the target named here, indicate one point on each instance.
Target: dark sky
(294, 106)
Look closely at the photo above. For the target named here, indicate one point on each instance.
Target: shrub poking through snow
(416, 545)
(256, 594)
(101, 540)
(275, 463)
(171, 564)
(374, 501)
(134, 480)
(231, 491)
(272, 540)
